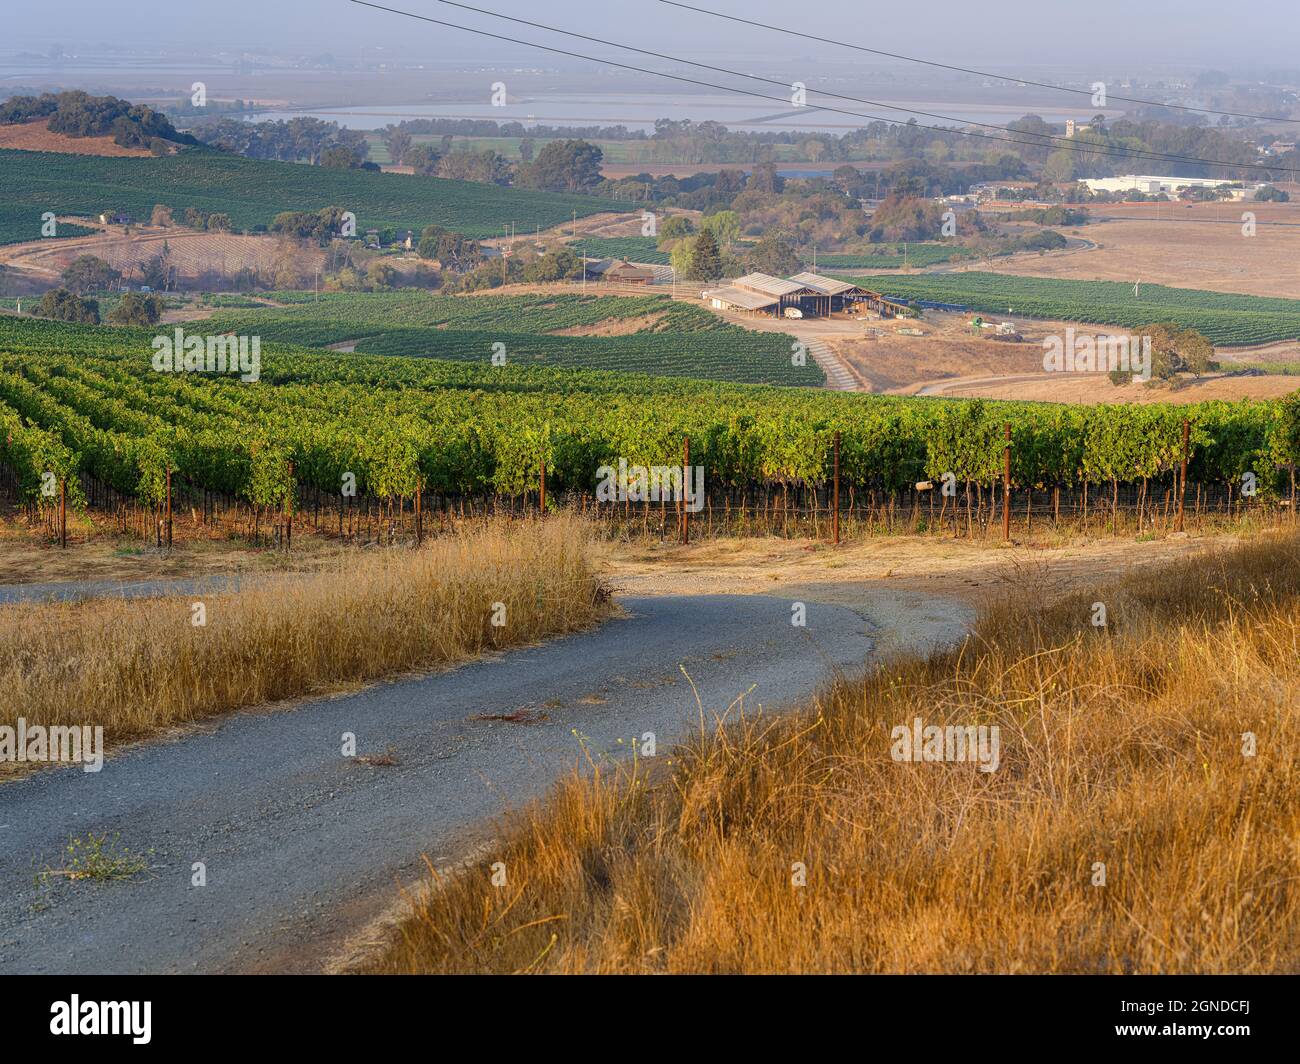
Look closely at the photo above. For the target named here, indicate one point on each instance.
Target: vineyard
(895, 256)
(631, 248)
(84, 404)
(1223, 317)
(252, 192)
(20, 223)
(669, 338)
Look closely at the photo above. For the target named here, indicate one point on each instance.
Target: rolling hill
(253, 191)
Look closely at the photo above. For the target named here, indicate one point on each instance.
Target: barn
(806, 295)
(618, 271)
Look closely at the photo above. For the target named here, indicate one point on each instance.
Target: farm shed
(732, 298)
(826, 295)
(786, 293)
(618, 271)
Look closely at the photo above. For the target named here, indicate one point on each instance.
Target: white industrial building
(1153, 185)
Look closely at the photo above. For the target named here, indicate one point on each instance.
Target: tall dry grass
(1121, 746)
(136, 666)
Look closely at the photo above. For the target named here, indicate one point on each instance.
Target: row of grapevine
(395, 424)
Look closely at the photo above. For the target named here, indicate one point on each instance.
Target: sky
(1031, 34)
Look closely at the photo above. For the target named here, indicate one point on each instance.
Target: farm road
(302, 846)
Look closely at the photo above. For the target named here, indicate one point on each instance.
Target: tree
(1175, 350)
(706, 259)
(773, 254)
(161, 216)
(680, 257)
(136, 309)
(340, 157)
(675, 227)
(154, 272)
(452, 249)
(62, 305)
(381, 275)
(850, 180)
(564, 166)
(1269, 192)
(485, 167)
(725, 227)
(88, 273)
(398, 142)
(527, 148)
(1060, 166)
(553, 266)
(765, 179)
(423, 159)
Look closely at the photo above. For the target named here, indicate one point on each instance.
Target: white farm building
(1153, 185)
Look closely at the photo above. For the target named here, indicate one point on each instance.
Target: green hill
(254, 191)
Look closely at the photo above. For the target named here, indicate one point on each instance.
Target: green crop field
(20, 222)
(87, 399)
(676, 339)
(892, 257)
(253, 192)
(1223, 317)
(632, 248)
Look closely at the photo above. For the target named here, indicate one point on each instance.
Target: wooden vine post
(288, 513)
(1006, 483)
(686, 480)
(1182, 476)
(835, 492)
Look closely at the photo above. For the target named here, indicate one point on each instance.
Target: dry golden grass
(137, 666)
(1121, 746)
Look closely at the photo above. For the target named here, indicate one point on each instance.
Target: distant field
(618, 152)
(629, 334)
(892, 257)
(632, 248)
(253, 192)
(20, 222)
(1224, 318)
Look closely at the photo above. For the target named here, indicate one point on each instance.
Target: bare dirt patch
(915, 590)
(34, 136)
(1185, 246)
(194, 254)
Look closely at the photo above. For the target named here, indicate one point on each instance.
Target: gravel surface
(302, 844)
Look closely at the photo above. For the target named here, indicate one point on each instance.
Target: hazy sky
(1156, 34)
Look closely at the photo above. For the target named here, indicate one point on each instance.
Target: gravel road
(301, 844)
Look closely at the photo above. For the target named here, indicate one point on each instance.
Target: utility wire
(967, 70)
(1113, 151)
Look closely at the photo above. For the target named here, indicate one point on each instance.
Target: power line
(1113, 151)
(1062, 142)
(967, 70)
(736, 73)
